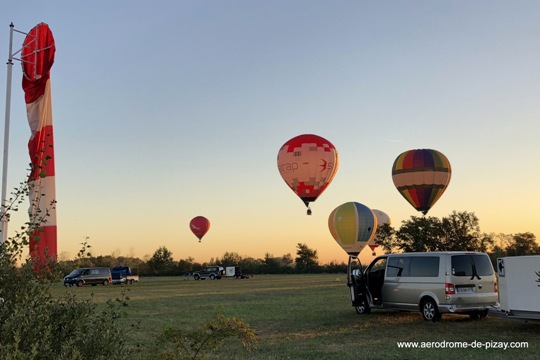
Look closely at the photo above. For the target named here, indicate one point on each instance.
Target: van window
(424, 266)
(379, 266)
(462, 265)
(483, 265)
(75, 272)
(393, 269)
(398, 266)
(465, 265)
(418, 266)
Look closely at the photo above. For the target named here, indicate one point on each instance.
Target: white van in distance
(432, 283)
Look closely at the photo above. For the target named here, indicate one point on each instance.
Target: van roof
(438, 253)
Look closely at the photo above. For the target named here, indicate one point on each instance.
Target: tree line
(162, 263)
(460, 231)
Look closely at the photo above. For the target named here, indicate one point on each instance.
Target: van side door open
(375, 280)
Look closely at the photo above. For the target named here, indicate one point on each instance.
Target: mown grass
(304, 317)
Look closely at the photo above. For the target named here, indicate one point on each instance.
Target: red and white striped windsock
(37, 59)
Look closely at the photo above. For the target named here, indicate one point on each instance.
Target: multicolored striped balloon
(421, 177)
(352, 225)
(308, 163)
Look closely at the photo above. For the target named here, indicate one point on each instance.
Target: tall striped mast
(4, 199)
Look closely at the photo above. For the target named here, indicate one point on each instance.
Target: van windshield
(75, 272)
(465, 265)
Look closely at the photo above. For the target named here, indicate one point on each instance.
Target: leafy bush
(35, 325)
(177, 343)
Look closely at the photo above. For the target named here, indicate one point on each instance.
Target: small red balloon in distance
(199, 225)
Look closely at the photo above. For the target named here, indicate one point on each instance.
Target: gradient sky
(164, 110)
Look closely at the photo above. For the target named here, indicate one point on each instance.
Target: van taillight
(449, 289)
(495, 287)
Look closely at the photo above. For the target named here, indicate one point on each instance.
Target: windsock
(37, 59)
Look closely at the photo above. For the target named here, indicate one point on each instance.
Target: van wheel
(479, 315)
(430, 312)
(212, 277)
(80, 283)
(196, 276)
(363, 308)
(105, 282)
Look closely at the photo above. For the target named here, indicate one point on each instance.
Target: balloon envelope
(382, 218)
(352, 225)
(421, 177)
(199, 225)
(308, 163)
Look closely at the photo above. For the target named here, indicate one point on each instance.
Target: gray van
(89, 276)
(432, 283)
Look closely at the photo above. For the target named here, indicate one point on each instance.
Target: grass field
(306, 317)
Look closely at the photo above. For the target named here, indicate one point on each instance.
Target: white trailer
(230, 271)
(235, 272)
(519, 286)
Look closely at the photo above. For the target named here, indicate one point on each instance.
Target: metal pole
(6, 137)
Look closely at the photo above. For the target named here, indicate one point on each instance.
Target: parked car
(124, 275)
(211, 272)
(89, 276)
(432, 283)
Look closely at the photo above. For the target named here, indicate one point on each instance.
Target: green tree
(185, 265)
(461, 231)
(251, 265)
(334, 267)
(386, 238)
(287, 260)
(105, 261)
(523, 244)
(272, 264)
(306, 259)
(161, 263)
(231, 259)
(419, 234)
